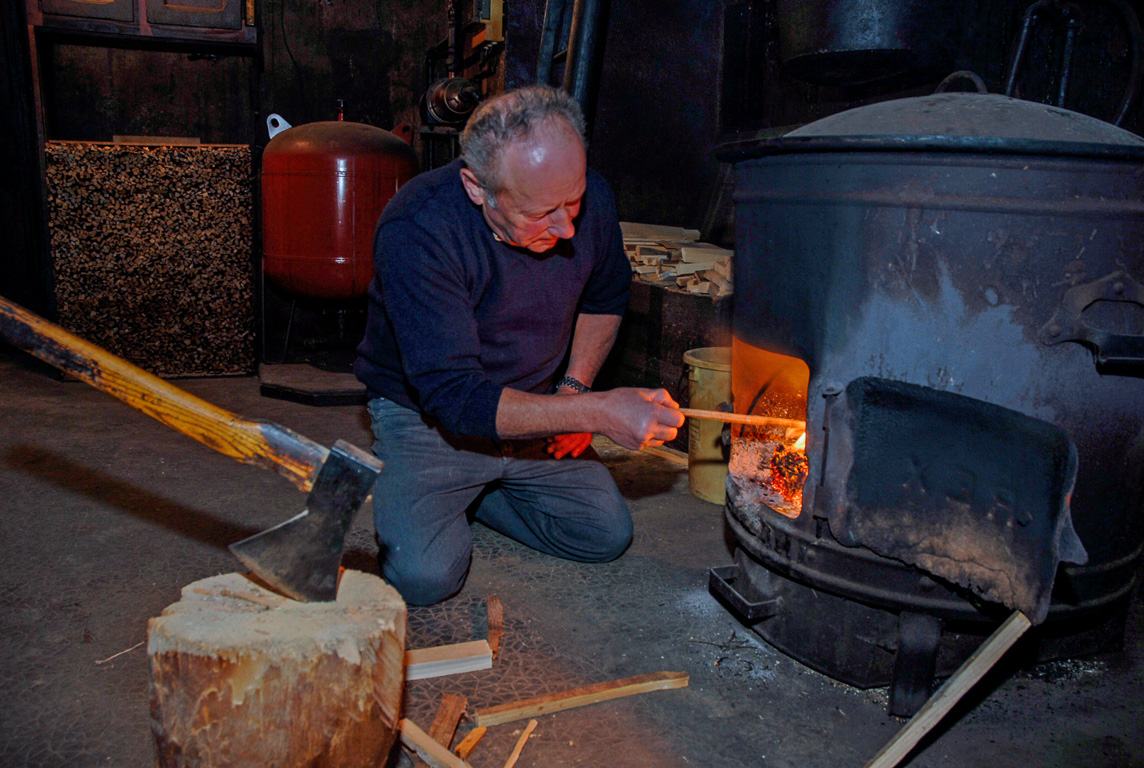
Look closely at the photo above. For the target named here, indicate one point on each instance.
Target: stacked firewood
(673, 257)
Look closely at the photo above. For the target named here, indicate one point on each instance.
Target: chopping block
(241, 676)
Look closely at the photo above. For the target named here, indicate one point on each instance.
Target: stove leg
(914, 663)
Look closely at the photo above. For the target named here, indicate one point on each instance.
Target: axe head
(301, 556)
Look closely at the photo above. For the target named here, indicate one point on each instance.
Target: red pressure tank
(324, 186)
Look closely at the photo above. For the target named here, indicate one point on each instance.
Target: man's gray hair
(509, 117)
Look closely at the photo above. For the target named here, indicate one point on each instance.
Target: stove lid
(954, 122)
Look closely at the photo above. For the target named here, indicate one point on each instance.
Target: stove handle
(1115, 353)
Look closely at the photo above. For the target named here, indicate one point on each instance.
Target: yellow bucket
(709, 385)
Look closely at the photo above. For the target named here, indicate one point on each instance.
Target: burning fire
(768, 463)
(789, 469)
(773, 462)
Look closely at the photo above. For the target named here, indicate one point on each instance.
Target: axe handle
(261, 443)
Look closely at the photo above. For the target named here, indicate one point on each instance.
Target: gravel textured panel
(151, 250)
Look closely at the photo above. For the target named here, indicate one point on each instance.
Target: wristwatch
(575, 384)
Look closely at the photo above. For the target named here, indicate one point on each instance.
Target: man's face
(543, 181)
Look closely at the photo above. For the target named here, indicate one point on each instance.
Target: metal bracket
(731, 583)
(914, 663)
(1115, 353)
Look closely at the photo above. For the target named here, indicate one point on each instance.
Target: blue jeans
(433, 482)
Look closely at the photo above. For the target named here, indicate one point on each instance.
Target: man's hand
(639, 417)
(569, 444)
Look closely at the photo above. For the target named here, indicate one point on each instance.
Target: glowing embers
(768, 464)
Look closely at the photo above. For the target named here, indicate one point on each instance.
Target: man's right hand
(637, 418)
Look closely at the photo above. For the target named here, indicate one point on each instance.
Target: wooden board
(690, 268)
(635, 230)
(951, 692)
(428, 750)
(663, 452)
(580, 697)
(449, 714)
(158, 141)
(520, 744)
(705, 252)
(443, 660)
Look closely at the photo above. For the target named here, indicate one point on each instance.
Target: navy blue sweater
(456, 316)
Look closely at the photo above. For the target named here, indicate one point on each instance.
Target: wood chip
(520, 744)
(469, 743)
(496, 622)
(449, 714)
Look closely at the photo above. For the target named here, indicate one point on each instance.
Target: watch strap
(573, 383)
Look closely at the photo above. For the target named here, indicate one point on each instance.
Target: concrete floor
(106, 514)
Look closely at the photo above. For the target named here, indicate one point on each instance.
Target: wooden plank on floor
(580, 697)
(443, 660)
(449, 714)
(520, 744)
(428, 750)
(951, 692)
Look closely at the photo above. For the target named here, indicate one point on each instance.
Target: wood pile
(674, 258)
(152, 252)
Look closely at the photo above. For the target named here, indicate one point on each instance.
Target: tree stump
(241, 676)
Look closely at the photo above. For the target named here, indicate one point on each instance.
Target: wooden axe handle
(260, 443)
(742, 418)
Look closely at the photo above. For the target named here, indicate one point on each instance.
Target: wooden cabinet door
(112, 10)
(216, 14)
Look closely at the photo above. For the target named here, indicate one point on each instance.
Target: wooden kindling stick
(427, 749)
(520, 744)
(742, 418)
(951, 692)
(580, 697)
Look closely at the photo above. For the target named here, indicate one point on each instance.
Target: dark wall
(657, 114)
(313, 53)
(979, 36)
(24, 260)
(369, 53)
(93, 92)
(657, 120)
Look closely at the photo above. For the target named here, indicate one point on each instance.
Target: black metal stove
(959, 277)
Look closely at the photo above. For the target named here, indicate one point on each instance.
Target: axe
(299, 557)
